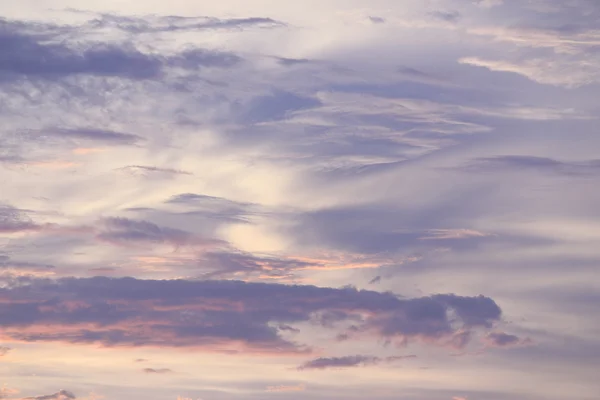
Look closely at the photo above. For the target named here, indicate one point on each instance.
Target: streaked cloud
(157, 370)
(349, 361)
(286, 388)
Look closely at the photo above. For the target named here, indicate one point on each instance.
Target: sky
(267, 199)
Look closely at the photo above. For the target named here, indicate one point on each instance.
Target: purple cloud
(502, 339)
(157, 370)
(209, 314)
(127, 231)
(40, 51)
(349, 361)
(155, 24)
(508, 163)
(60, 395)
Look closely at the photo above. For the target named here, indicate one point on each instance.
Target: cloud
(554, 43)
(448, 16)
(541, 70)
(275, 106)
(39, 51)
(156, 24)
(201, 58)
(501, 339)
(489, 3)
(145, 170)
(231, 262)
(28, 55)
(14, 220)
(88, 135)
(6, 392)
(286, 388)
(157, 371)
(221, 314)
(123, 231)
(508, 163)
(214, 207)
(227, 263)
(384, 234)
(377, 20)
(15, 267)
(60, 395)
(339, 362)
(441, 234)
(327, 149)
(4, 351)
(195, 199)
(348, 361)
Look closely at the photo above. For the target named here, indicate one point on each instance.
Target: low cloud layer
(212, 314)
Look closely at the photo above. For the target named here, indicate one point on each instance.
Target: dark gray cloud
(349, 361)
(135, 312)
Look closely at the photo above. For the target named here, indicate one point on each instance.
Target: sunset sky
(303, 200)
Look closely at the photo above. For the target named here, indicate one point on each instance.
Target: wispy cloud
(349, 361)
(155, 24)
(146, 170)
(502, 339)
(157, 370)
(286, 388)
(60, 395)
